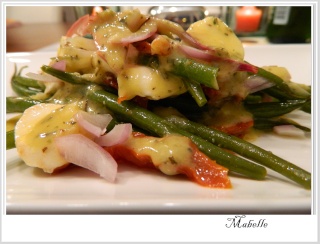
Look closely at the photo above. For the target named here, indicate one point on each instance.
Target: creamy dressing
(282, 72)
(109, 35)
(69, 93)
(81, 57)
(58, 122)
(147, 82)
(167, 153)
(78, 42)
(11, 123)
(78, 60)
(231, 83)
(36, 130)
(229, 114)
(214, 33)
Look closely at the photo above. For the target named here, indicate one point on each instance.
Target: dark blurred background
(253, 24)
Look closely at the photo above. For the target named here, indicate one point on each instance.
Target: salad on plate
(125, 87)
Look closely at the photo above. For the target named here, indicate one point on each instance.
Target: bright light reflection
(173, 9)
(18, 54)
(169, 204)
(150, 149)
(19, 60)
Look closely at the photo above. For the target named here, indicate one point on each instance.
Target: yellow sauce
(167, 153)
(36, 130)
(147, 82)
(229, 114)
(58, 122)
(11, 123)
(214, 33)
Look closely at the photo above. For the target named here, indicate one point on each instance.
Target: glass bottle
(290, 25)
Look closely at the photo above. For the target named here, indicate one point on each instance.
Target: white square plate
(136, 190)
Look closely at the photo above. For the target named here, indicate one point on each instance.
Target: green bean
(194, 88)
(24, 86)
(196, 92)
(19, 104)
(154, 124)
(273, 109)
(307, 107)
(266, 124)
(279, 94)
(247, 150)
(253, 98)
(281, 90)
(22, 90)
(184, 104)
(65, 76)
(29, 82)
(10, 143)
(72, 78)
(198, 72)
(182, 101)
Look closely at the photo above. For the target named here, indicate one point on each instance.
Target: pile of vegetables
(127, 87)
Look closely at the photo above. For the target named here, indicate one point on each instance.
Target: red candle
(248, 19)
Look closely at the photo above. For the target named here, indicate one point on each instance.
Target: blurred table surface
(30, 37)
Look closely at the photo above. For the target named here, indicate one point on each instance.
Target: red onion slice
(132, 54)
(147, 30)
(95, 124)
(82, 151)
(60, 65)
(185, 36)
(196, 53)
(209, 56)
(119, 134)
(256, 83)
(137, 37)
(165, 27)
